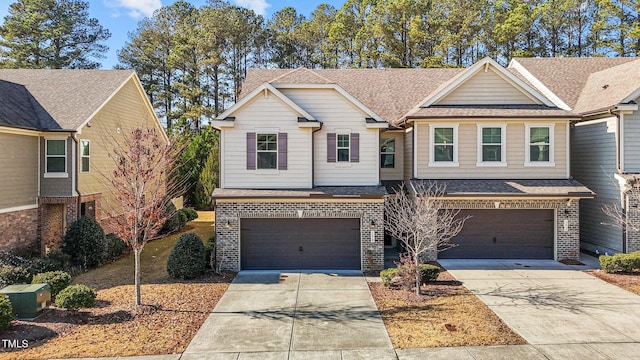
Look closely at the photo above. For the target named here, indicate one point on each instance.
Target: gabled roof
(567, 78)
(55, 99)
(607, 88)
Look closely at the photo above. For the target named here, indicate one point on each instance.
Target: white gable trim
(514, 64)
(340, 90)
(486, 63)
(632, 97)
(265, 87)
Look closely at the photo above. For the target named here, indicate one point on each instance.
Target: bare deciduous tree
(625, 216)
(141, 189)
(421, 222)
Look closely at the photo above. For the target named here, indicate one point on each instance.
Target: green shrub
(84, 242)
(75, 297)
(620, 262)
(210, 252)
(187, 258)
(183, 219)
(113, 247)
(389, 276)
(173, 220)
(54, 261)
(428, 272)
(10, 275)
(190, 213)
(6, 313)
(57, 280)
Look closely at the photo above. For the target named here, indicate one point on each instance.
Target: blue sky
(122, 16)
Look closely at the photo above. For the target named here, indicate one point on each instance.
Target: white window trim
(527, 146)
(388, 152)
(503, 146)
(432, 162)
(267, 171)
(348, 161)
(59, 175)
(85, 156)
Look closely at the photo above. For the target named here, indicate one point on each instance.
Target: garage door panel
(500, 234)
(300, 244)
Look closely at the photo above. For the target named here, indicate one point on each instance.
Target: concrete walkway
(273, 315)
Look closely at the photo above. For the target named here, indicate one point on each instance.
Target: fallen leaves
(629, 282)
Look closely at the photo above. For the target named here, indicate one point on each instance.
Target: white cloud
(259, 6)
(136, 8)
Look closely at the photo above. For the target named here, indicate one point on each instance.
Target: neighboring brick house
(605, 152)
(56, 130)
(304, 152)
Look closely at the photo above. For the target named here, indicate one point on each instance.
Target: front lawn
(447, 314)
(627, 281)
(173, 311)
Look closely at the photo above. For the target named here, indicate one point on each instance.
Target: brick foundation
(54, 215)
(18, 229)
(633, 216)
(93, 206)
(228, 237)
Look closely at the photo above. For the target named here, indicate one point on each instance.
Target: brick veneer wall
(228, 237)
(18, 229)
(95, 202)
(633, 216)
(51, 240)
(567, 242)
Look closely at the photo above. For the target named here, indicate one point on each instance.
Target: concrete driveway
(549, 304)
(273, 315)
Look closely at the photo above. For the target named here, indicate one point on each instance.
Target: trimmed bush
(428, 272)
(187, 258)
(6, 313)
(620, 262)
(75, 297)
(10, 275)
(57, 280)
(84, 242)
(183, 219)
(55, 261)
(113, 247)
(389, 276)
(173, 220)
(190, 213)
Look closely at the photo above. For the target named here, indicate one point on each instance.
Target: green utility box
(27, 300)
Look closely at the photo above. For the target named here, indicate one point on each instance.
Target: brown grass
(447, 314)
(206, 216)
(627, 281)
(173, 313)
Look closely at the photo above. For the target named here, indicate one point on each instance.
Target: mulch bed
(627, 281)
(115, 327)
(445, 314)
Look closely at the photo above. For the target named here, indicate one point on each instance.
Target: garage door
(300, 244)
(504, 234)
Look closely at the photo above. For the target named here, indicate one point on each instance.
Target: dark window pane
(539, 135)
(343, 154)
(84, 164)
(56, 164)
(343, 141)
(387, 160)
(539, 153)
(84, 148)
(491, 135)
(443, 135)
(56, 147)
(388, 145)
(491, 153)
(267, 160)
(443, 153)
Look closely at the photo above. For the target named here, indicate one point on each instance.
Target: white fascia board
(514, 64)
(501, 71)
(627, 107)
(265, 87)
(377, 125)
(340, 90)
(632, 97)
(218, 124)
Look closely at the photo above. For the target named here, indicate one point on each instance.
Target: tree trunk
(136, 253)
(416, 256)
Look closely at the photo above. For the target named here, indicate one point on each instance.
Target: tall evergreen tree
(56, 34)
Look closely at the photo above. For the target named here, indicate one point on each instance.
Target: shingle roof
(609, 87)
(390, 93)
(490, 187)
(494, 111)
(55, 99)
(319, 191)
(567, 77)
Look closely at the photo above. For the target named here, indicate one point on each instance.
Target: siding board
(631, 143)
(19, 161)
(486, 88)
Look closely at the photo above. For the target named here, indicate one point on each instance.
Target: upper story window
(388, 153)
(539, 148)
(55, 158)
(343, 147)
(267, 151)
(84, 155)
(444, 145)
(491, 145)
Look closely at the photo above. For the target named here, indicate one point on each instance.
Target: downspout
(313, 155)
(75, 176)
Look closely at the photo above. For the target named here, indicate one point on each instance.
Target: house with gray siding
(605, 151)
(56, 131)
(305, 154)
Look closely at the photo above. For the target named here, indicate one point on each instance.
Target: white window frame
(388, 152)
(348, 148)
(503, 146)
(48, 174)
(432, 144)
(527, 149)
(267, 151)
(82, 156)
